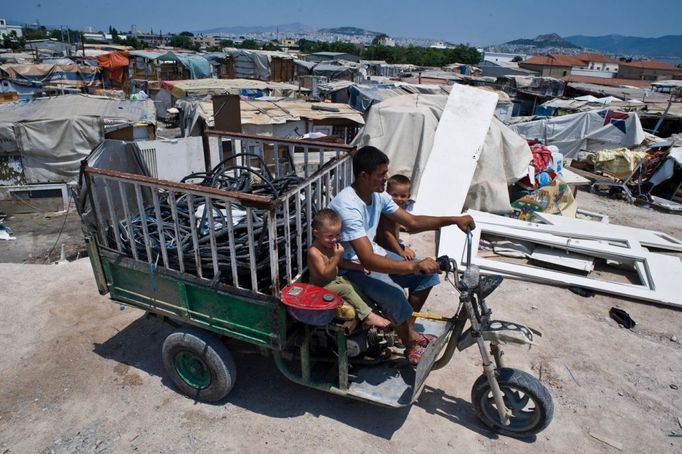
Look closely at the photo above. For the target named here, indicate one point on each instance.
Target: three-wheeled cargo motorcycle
(216, 253)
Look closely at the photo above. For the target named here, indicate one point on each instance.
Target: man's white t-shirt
(360, 219)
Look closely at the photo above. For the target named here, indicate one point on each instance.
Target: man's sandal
(414, 352)
(425, 339)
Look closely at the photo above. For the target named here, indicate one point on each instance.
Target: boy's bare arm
(386, 235)
(318, 267)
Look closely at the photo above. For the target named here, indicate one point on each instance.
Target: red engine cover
(310, 297)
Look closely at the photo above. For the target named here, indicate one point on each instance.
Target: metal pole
(660, 120)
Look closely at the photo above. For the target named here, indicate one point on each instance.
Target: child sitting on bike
(324, 259)
(388, 231)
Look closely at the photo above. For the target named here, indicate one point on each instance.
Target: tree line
(415, 55)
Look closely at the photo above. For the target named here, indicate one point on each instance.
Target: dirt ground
(78, 374)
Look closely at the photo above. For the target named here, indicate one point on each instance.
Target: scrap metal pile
(189, 239)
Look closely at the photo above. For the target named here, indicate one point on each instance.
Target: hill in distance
(294, 27)
(549, 40)
(354, 31)
(663, 46)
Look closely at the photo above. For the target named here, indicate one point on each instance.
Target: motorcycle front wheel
(528, 400)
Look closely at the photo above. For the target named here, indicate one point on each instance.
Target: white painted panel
(564, 259)
(579, 228)
(445, 182)
(457, 146)
(649, 238)
(590, 247)
(664, 267)
(174, 159)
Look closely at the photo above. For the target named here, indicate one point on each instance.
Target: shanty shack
(152, 65)
(114, 68)
(173, 90)
(257, 64)
(279, 118)
(44, 140)
(28, 79)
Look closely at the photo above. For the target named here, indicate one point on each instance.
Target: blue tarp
(363, 96)
(198, 66)
(37, 75)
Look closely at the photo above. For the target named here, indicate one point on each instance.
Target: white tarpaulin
(51, 150)
(250, 65)
(52, 135)
(404, 128)
(593, 130)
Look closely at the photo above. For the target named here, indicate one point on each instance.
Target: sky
(476, 22)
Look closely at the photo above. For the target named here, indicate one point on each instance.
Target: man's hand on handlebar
(465, 221)
(427, 266)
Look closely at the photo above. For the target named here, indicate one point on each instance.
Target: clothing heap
(542, 189)
(542, 170)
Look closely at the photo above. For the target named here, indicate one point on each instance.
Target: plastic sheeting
(115, 63)
(619, 162)
(593, 130)
(51, 150)
(666, 171)
(251, 65)
(197, 65)
(73, 75)
(362, 97)
(504, 160)
(8, 140)
(333, 71)
(67, 106)
(53, 135)
(111, 155)
(404, 128)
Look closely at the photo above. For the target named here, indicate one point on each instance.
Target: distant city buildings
(206, 41)
(502, 57)
(589, 66)
(6, 29)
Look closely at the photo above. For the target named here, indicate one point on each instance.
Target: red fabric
(115, 63)
(542, 157)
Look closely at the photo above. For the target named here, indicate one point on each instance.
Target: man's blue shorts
(387, 290)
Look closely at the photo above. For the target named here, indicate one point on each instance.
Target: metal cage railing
(254, 240)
